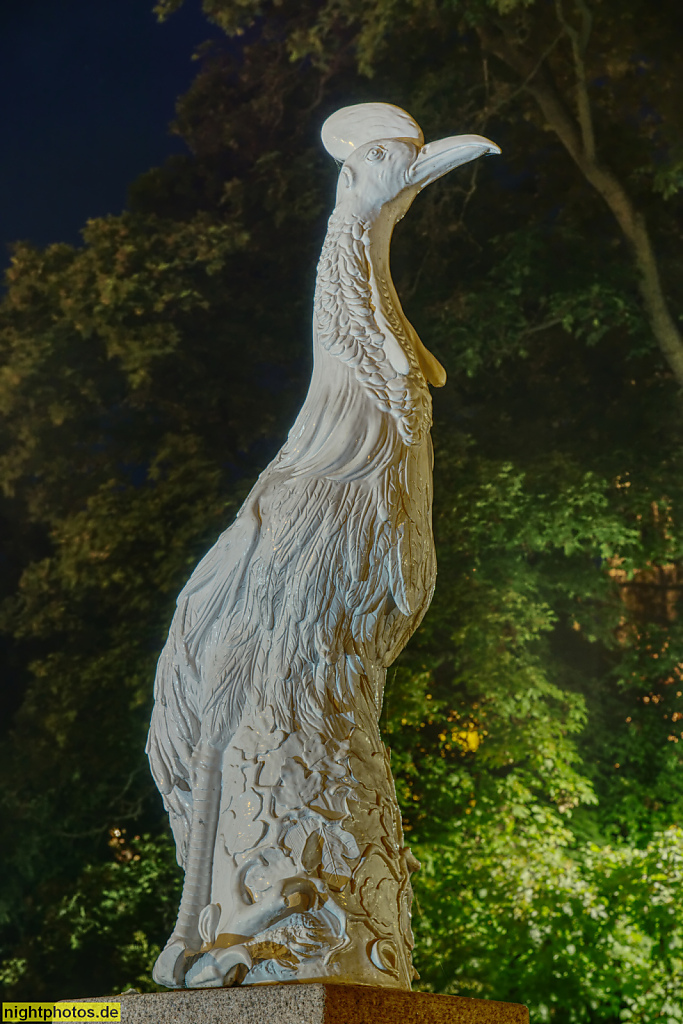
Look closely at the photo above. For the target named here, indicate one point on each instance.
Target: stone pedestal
(312, 1004)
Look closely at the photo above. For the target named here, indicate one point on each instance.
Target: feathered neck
(357, 317)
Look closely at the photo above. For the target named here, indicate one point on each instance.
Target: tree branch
(539, 83)
(545, 326)
(499, 104)
(579, 42)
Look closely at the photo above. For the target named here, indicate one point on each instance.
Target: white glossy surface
(264, 738)
(351, 127)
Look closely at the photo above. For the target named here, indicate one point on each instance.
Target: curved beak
(437, 158)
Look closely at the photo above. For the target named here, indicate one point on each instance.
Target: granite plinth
(311, 1004)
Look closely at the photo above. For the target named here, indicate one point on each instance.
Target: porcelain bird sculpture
(264, 739)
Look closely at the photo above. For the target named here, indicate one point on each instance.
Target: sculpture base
(297, 1003)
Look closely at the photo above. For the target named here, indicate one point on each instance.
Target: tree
(577, 69)
(571, 64)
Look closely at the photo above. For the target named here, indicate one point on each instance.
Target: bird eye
(376, 153)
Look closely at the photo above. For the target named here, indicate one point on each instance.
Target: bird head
(385, 175)
(385, 162)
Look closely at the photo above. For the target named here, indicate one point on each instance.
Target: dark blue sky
(87, 90)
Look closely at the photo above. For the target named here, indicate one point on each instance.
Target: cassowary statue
(264, 738)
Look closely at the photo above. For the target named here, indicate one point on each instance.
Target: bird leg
(173, 962)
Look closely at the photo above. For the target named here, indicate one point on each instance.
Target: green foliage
(121, 460)
(513, 902)
(578, 932)
(535, 719)
(101, 929)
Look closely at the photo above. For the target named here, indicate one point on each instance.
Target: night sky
(87, 91)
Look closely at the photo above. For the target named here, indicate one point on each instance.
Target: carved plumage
(303, 602)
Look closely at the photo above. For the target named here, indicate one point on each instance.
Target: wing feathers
(313, 573)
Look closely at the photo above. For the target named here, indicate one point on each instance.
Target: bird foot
(222, 967)
(171, 965)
